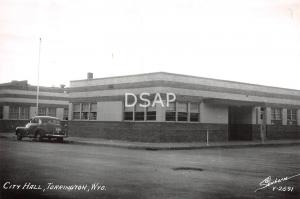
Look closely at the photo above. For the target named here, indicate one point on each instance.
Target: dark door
(237, 123)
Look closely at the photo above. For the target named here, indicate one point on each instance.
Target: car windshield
(50, 121)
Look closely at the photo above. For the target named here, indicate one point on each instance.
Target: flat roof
(187, 77)
(23, 85)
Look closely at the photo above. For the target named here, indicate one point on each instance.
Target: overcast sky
(254, 41)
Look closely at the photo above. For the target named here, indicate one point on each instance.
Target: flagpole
(38, 79)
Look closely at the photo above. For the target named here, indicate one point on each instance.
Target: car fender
(21, 130)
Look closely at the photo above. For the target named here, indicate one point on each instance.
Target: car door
(33, 126)
(48, 125)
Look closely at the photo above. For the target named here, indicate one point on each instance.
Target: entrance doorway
(240, 123)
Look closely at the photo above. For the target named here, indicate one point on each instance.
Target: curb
(160, 148)
(149, 148)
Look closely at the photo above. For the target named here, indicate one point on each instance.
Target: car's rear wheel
(61, 140)
(19, 136)
(38, 137)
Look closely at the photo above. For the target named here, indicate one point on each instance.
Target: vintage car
(40, 127)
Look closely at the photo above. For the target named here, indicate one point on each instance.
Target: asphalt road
(127, 173)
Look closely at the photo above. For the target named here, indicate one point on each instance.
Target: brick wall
(10, 125)
(149, 131)
(275, 132)
(159, 131)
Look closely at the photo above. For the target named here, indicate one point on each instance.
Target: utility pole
(38, 79)
(263, 117)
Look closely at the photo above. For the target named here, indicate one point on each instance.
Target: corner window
(292, 116)
(276, 116)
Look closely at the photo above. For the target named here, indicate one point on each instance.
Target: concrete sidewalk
(167, 146)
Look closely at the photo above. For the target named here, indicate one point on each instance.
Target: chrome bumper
(55, 135)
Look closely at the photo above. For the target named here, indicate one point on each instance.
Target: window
(24, 113)
(1, 112)
(19, 112)
(52, 112)
(128, 113)
(85, 111)
(66, 114)
(292, 116)
(182, 109)
(13, 112)
(49, 111)
(76, 111)
(93, 113)
(194, 112)
(85, 107)
(35, 121)
(171, 112)
(50, 121)
(139, 113)
(151, 113)
(276, 116)
(42, 111)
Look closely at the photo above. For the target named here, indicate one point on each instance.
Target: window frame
(127, 111)
(24, 113)
(276, 116)
(88, 113)
(293, 116)
(48, 111)
(182, 116)
(21, 112)
(171, 114)
(150, 114)
(39, 111)
(15, 113)
(139, 114)
(188, 115)
(194, 112)
(93, 113)
(66, 114)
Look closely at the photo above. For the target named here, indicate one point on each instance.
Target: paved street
(33, 169)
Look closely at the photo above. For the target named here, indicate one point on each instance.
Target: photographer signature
(268, 181)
